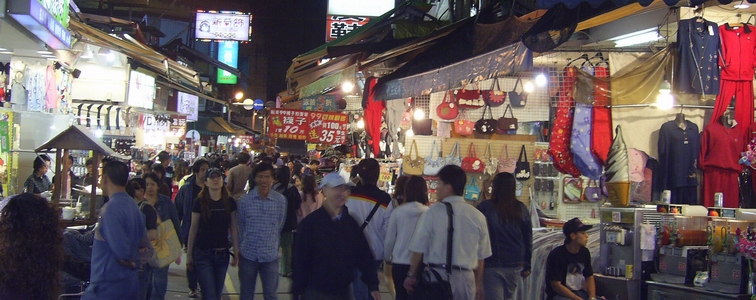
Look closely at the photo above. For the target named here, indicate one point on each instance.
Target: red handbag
(447, 110)
(463, 126)
(471, 163)
(469, 98)
(494, 97)
(561, 131)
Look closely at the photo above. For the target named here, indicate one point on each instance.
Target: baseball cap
(334, 180)
(212, 171)
(573, 226)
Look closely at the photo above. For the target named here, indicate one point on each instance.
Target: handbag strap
(523, 153)
(487, 154)
(504, 152)
(433, 150)
(517, 82)
(471, 151)
(490, 113)
(455, 150)
(508, 109)
(449, 237)
(413, 149)
(446, 97)
(495, 86)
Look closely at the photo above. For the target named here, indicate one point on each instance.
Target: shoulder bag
(468, 98)
(472, 191)
(485, 126)
(506, 164)
(167, 246)
(432, 166)
(592, 192)
(430, 284)
(522, 172)
(422, 127)
(515, 98)
(454, 157)
(494, 97)
(410, 165)
(471, 163)
(504, 125)
(447, 110)
(463, 126)
(492, 163)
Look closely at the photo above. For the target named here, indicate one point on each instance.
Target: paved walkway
(177, 285)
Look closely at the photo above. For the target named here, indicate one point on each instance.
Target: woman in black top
(37, 183)
(136, 189)
(163, 187)
(213, 216)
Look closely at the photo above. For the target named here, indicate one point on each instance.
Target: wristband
(410, 275)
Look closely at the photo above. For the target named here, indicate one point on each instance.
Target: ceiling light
(6, 52)
(541, 80)
(742, 5)
(3, 49)
(111, 56)
(528, 87)
(347, 87)
(103, 51)
(640, 37)
(665, 100)
(361, 124)
(409, 133)
(44, 52)
(419, 114)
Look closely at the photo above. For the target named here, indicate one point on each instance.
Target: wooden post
(97, 157)
(57, 185)
(64, 176)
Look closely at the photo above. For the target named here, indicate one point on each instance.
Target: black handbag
(485, 126)
(522, 169)
(515, 98)
(427, 288)
(422, 127)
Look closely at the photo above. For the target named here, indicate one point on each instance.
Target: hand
(409, 284)
(189, 263)
(178, 261)
(525, 274)
(235, 260)
(376, 295)
(128, 263)
(46, 194)
(479, 292)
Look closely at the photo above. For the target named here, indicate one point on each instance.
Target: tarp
(638, 82)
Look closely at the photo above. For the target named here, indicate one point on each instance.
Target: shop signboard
(369, 8)
(178, 126)
(310, 126)
(141, 91)
(245, 139)
(46, 19)
(320, 103)
(338, 26)
(188, 105)
(228, 53)
(152, 122)
(223, 26)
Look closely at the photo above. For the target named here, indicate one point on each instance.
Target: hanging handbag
(463, 126)
(472, 191)
(515, 98)
(167, 246)
(592, 192)
(447, 110)
(485, 126)
(492, 163)
(430, 284)
(494, 97)
(454, 157)
(506, 164)
(487, 188)
(422, 127)
(433, 165)
(522, 172)
(504, 125)
(468, 98)
(471, 163)
(413, 165)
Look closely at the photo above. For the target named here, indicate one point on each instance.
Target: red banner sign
(338, 26)
(310, 126)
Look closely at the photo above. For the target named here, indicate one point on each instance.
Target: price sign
(385, 177)
(311, 126)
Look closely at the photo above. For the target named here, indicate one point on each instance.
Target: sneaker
(193, 294)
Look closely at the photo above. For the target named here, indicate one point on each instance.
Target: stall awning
(79, 137)
(214, 126)
(328, 82)
(138, 52)
(163, 80)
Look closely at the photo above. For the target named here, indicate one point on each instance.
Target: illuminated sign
(45, 25)
(369, 8)
(338, 26)
(141, 90)
(187, 104)
(228, 53)
(234, 26)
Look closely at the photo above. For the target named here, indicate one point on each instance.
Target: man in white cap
(329, 246)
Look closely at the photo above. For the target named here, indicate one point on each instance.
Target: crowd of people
(274, 217)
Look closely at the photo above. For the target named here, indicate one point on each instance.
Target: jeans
(248, 271)
(159, 283)
(399, 274)
(360, 288)
(210, 266)
(581, 293)
(145, 280)
(287, 240)
(500, 283)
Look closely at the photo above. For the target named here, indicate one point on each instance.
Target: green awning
(333, 80)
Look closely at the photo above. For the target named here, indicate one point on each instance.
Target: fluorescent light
(44, 52)
(636, 38)
(3, 49)
(742, 5)
(6, 52)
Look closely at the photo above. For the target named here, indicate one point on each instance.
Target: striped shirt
(260, 223)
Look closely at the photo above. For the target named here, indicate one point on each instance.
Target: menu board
(310, 126)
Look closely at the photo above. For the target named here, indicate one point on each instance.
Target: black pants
(399, 273)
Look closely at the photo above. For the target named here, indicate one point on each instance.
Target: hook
(584, 56)
(681, 108)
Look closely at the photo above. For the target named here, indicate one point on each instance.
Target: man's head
(576, 232)
(452, 180)
(267, 160)
(243, 158)
(42, 164)
(199, 168)
(164, 158)
(89, 164)
(335, 188)
(262, 174)
(314, 164)
(68, 163)
(369, 171)
(115, 176)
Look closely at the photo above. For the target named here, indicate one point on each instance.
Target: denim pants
(248, 271)
(360, 288)
(210, 267)
(500, 283)
(145, 280)
(159, 283)
(287, 240)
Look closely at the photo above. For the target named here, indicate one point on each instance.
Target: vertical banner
(6, 144)
(228, 53)
(313, 127)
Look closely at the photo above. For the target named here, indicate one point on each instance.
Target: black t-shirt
(150, 215)
(213, 231)
(570, 269)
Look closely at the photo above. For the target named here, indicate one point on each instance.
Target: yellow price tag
(311, 147)
(385, 177)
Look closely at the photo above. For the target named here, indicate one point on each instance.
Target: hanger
(584, 56)
(680, 119)
(599, 55)
(699, 12)
(739, 23)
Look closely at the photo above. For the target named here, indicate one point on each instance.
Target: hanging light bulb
(529, 87)
(347, 87)
(361, 124)
(541, 80)
(409, 133)
(419, 114)
(665, 100)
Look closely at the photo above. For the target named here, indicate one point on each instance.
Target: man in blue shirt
(117, 241)
(261, 214)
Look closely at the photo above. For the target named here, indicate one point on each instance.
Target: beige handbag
(413, 165)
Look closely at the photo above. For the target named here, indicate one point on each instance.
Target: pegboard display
(536, 109)
(424, 144)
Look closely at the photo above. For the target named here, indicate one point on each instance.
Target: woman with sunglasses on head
(136, 189)
(166, 212)
(214, 214)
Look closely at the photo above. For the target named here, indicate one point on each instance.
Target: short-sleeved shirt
(213, 231)
(150, 215)
(569, 269)
(37, 185)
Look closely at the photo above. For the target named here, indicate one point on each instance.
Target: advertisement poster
(320, 103)
(310, 126)
(234, 26)
(6, 140)
(187, 104)
(141, 90)
(228, 53)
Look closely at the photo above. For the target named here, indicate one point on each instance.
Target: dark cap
(212, 171)
(573, 226)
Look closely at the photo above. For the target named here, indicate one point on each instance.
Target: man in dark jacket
(185, 198)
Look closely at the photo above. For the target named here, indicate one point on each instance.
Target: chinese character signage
(233, 26)
(338, 26)
(228, 53)
(187, 104)
(310, 126)
(156, 122)
(320, 103)
(178, 125)
(46, 19)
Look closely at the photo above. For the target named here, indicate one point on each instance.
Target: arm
(366, 262)
(193, 229)
(234, 239)
(411, 280)
(479, 291)
(230, 184)
(590, 284)
(563, 291)
(173, 212)
(527, 236)
(388, 243)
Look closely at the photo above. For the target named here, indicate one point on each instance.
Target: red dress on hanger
(720, 152)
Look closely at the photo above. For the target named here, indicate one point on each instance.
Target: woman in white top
(400, 228)
(311, 199)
